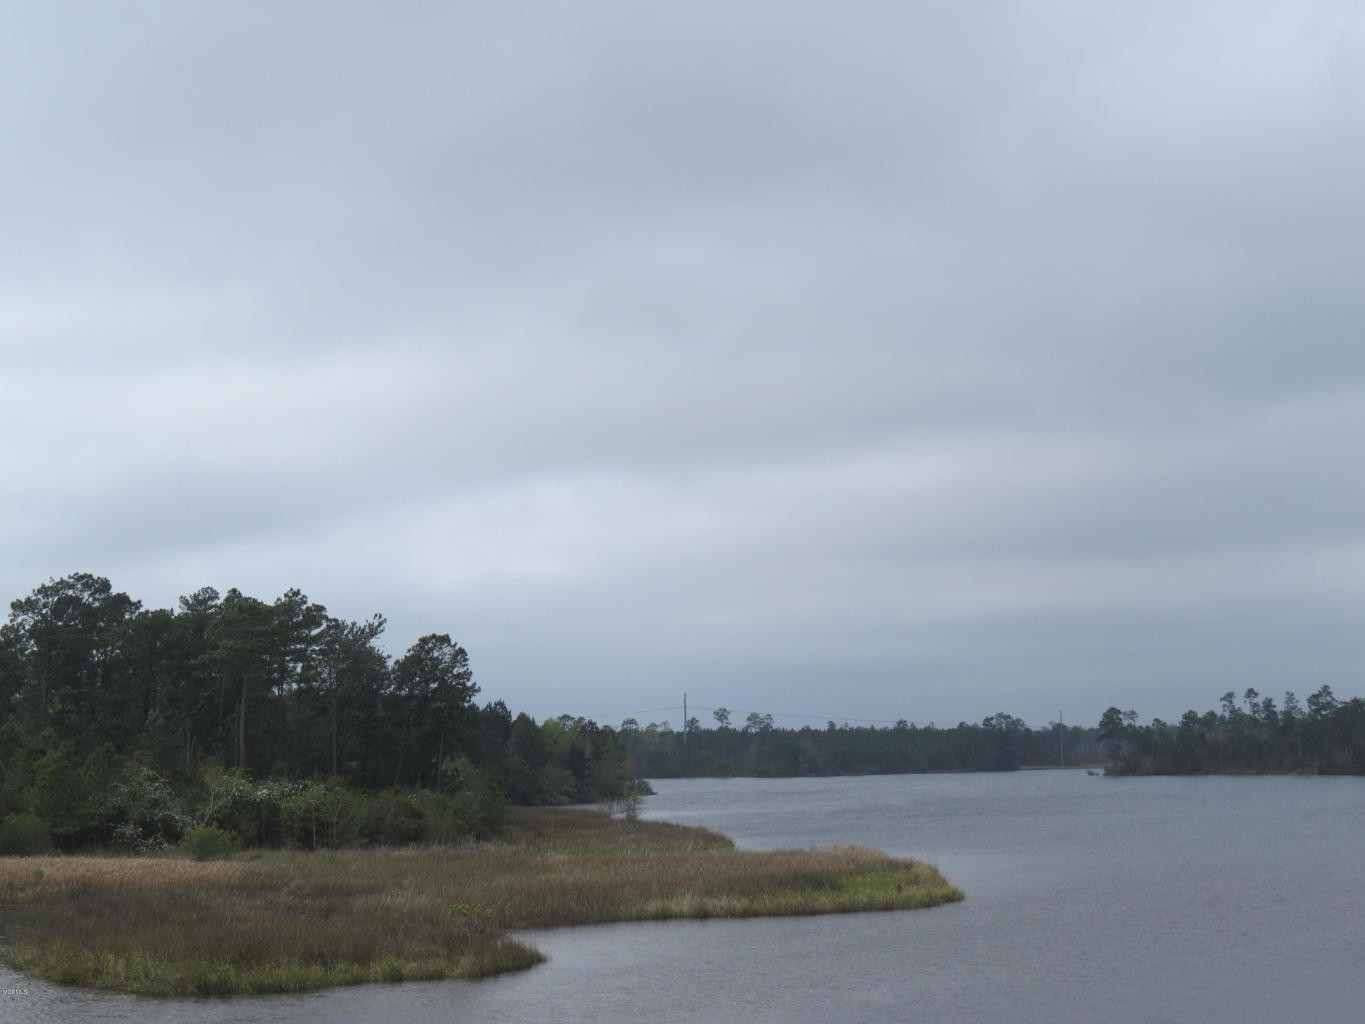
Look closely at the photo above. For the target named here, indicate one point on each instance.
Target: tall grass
(290, 921)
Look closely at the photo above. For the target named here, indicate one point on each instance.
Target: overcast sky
(874, 360)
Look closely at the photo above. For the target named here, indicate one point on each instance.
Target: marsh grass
(291, 921)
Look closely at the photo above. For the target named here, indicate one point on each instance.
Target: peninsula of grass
(288, 921)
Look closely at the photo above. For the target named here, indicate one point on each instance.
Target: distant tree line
(1320, 736)
(1000, 742)
(270, 721)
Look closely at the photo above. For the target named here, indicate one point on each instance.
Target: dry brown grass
(288, 921)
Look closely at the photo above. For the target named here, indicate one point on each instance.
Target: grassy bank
(290, 921)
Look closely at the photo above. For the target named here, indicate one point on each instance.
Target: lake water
(1126, 901)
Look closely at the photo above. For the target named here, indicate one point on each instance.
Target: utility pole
(1061, 741)
(683, 759)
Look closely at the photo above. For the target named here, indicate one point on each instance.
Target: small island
(291, 920)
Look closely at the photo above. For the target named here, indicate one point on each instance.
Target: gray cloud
(890, 361)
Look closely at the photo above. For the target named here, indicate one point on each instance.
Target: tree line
(1000, 742)
(1322, 735)
(269, 721)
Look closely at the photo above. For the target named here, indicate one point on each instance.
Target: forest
(234, 720)
(1320, 736)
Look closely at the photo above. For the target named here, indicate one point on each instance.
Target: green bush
(24, 835)
(440, 819)
(204, 842)
(148, 814)
(392, 820)
(316, 815)
(477, 804)
(231, 800)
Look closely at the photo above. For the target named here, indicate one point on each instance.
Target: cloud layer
(890, 361)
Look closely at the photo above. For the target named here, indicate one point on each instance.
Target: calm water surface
(1238, 900)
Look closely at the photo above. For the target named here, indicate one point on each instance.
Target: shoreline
(271, 921)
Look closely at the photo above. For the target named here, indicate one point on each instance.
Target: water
(1089, 899)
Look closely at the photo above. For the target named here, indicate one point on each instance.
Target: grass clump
(293, 921)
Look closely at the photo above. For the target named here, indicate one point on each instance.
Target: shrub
(391, 820)
(149, 815)
(475, 805)
(229, 799)
(316, 815)
(204, 842)
(625, 806)
(130, 837)
(24, 834)
(440, 821)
